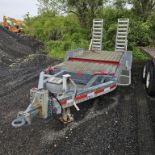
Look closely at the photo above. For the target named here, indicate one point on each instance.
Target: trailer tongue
(84, 75)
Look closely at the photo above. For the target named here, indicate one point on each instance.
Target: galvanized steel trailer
(84, 75)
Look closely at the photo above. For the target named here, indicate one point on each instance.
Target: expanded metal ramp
(122, 34)
(96, 42)
(102, 55)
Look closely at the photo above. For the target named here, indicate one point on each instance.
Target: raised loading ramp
(121, 35)
(96, 42)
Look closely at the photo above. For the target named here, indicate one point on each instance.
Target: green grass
(57, 49)
(60, 53)
(138, 55)
(57, 54)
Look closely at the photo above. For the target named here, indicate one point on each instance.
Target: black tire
(150, 80)
(145, 70)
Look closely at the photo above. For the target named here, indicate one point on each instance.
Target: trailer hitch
(38, 106)
(21, 120)
(25, 117)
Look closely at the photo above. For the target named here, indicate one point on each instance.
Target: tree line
(66, 24)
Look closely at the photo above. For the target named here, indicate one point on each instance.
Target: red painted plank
(104, 73)
(94, 61)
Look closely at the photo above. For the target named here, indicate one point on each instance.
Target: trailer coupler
(25, 117)
(38, 106)
(21, 120)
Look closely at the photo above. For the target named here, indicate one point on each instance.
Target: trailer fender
(124, 72)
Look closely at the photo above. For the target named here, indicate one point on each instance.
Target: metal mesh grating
(91, 68)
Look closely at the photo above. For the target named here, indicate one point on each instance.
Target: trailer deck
(150, 51)
(92, 62)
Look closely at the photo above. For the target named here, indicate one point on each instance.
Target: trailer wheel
(150, 80)
(145, 70)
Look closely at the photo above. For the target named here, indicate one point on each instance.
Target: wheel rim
(144, 72)
(148, 80)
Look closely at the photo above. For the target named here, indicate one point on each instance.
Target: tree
(120, 4)
(86, 10)
(55, 6)
(143, 8)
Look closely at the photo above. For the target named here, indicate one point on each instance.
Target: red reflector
(113, 86)
(81, 97)
(63, 102)
(99, 91)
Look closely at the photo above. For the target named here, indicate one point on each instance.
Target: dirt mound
(20, 65)
(19, 60)
(20, 73)
(14, 46)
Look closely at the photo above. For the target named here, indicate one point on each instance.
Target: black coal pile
(14, 46)
(20, 60)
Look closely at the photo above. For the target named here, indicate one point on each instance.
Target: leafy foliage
(138, 55)
(143, 8)
(59, 33)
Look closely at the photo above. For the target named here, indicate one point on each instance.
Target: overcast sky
(17, 8)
